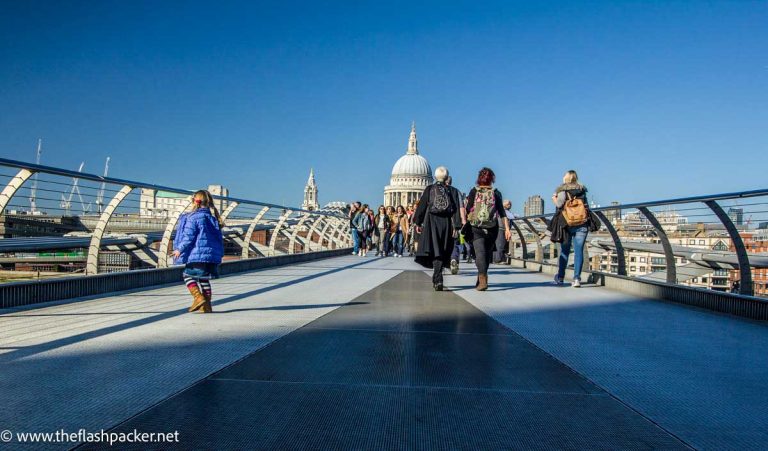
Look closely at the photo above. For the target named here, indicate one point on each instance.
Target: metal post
(163, 259)
(245, 252)
(13, 185)
(745, 270)
(616, 241)
(668, 254)
(92, 263)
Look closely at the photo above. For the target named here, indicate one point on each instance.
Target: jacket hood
(571, 186)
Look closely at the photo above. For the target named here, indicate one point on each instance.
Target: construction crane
(33, 191)
(100, 196)
(66, 201)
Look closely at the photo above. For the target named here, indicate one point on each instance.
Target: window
(702, 242)
(658, 261)
(633, 268)
(691, 241)
(642, 259)
(642, 269)
(632, 259)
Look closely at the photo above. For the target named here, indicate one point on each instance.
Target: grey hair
(441, 173)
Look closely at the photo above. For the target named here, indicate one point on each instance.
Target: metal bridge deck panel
(341, 385)
(698, 374)
(93, 363)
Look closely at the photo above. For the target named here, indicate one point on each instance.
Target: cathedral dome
(412, 164)
(410, 175)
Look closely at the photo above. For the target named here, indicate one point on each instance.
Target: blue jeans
(456, 254)
(397, 241)
(355, 240)
(576, 236)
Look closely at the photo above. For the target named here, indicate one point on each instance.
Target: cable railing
(120, 224)
(716, 242)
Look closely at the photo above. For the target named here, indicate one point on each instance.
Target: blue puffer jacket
(199, 238)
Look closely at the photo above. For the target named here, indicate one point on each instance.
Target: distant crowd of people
(445, 226)
(438, 230)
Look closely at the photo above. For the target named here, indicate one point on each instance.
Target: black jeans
(483, 241)
(437, 275)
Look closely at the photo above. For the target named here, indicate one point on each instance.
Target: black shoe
(438, 287)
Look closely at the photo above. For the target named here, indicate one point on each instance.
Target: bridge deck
(360, 353)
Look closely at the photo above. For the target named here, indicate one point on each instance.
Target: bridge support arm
(746, 286)
(278, 229)
(314, 229)
(513, 223)
(245, 252)
(617, 242)
(13, 185)
(92, 263)
(163, 259)
(295, 234)
(230, 208)
(539, 248)
(668, 254)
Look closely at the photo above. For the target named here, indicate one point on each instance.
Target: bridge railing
(716, 242)
(115, 224)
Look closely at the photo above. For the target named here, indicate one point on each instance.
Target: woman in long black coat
(438, 221)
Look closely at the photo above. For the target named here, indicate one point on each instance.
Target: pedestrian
(413, 235)
(399, 231)
(381, 234)
(354, 209)
(438, 220)
(458, 243)
(570, 199)
(362, 225)
(199, 245)
(484, 207)
(371, 227)
(502, 243)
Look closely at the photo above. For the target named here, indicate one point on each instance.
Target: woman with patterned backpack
(570, 198)
(484, 208)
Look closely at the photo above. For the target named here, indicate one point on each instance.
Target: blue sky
(645, 99)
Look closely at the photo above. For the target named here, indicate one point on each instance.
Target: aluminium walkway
(360, 353)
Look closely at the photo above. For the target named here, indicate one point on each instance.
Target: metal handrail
(710, 202)
(135, 184)
(675, 201)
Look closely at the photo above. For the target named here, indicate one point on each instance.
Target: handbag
(466, 230)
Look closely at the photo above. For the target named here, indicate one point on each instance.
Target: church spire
(413, 143)
(310, 193)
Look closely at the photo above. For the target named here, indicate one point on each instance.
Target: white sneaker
(557, 281)
(576, 283)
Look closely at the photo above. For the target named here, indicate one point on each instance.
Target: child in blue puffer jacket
(199, 244)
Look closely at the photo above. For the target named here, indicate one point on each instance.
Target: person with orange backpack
(570, 198)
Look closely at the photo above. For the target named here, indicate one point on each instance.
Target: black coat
(436, 240)
(558, 227)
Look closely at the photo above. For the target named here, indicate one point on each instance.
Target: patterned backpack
(484, 214)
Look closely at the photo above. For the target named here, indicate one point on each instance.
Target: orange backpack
(574, 211)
